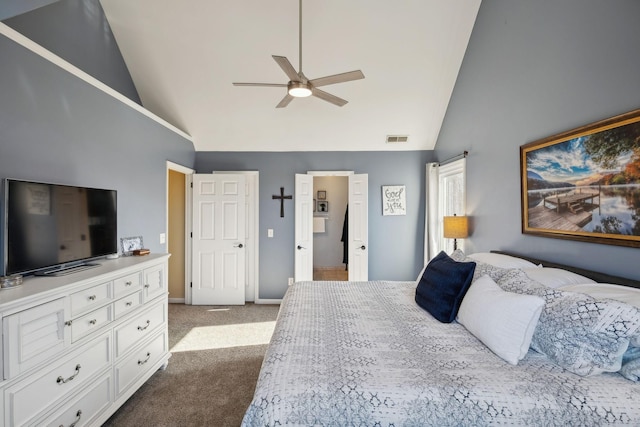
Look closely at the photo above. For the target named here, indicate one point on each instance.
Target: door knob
(363, 247)
(301, 247)
(239, 245)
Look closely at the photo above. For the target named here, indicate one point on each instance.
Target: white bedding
(363, 353)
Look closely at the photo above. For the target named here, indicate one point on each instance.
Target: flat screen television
(51, 228)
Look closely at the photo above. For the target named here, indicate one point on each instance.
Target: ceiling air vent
(397, 139)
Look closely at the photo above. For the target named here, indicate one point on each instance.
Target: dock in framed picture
(584, 184)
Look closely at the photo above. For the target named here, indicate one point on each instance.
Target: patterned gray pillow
(631, 364)
(584, 335)
(579, 333)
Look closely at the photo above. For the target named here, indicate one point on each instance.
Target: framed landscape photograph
(584, 184)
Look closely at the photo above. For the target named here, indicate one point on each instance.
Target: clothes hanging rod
(454, 158)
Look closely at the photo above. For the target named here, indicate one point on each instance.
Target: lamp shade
(456, 227)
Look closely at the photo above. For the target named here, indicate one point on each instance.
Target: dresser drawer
(139, 362)
(127, 284)
(90, 322)
(139, 327)
(87, 299)
(128, 303)
(29, 398)
(84, 407)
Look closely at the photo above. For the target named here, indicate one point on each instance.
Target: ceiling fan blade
(261, 84)
(285, 101)
(286, 66)
(328, 97)
(337, 78)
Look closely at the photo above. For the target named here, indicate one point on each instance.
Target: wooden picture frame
(584, 184)
(322, 195)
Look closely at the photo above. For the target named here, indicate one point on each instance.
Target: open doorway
(305, 200)
(331, 228)
(178, 201)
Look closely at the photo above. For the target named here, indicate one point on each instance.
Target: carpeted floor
(216, 357)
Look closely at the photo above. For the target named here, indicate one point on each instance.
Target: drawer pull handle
(128, 303)
(142, 328)
(93, 321)
(68, 322)
(128, 283)
(142, 362)
(92, 297)
(78, 416)
(61, 380)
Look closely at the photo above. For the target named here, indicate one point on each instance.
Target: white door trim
(188, 172)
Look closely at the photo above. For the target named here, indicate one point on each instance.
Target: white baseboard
(268, 301)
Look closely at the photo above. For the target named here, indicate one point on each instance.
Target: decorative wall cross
(281, 197)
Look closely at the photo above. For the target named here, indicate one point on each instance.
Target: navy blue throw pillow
(443, 285)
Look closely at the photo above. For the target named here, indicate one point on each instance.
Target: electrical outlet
(270, 232)
(163, 238)
(290, 281)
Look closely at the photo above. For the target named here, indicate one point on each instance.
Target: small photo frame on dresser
(130, 244)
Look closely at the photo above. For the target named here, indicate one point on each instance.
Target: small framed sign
(394, 200)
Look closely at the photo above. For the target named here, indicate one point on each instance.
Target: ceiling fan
(299, 86)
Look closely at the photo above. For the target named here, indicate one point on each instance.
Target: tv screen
(50, 226)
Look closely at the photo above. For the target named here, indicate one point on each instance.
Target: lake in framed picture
(584, 184)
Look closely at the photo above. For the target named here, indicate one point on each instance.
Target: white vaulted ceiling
(183, 56)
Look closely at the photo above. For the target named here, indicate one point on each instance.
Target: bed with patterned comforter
(363, 353)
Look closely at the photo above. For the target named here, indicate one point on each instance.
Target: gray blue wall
(534, 69)
(55, 127)
(78, 32)
(395, 242)
(10, 8)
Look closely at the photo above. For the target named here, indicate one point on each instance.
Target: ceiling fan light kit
(299, 89)
(299, 86)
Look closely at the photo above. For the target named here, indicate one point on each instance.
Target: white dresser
(76, 347)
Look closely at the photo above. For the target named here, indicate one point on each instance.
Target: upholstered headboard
(594, 275)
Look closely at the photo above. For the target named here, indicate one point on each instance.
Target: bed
(366, 354)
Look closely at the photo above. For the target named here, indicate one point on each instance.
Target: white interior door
(304, 228)
(358, 227)
(218, 239)
(252, 213)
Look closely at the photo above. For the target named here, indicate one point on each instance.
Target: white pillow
(625, 294)
(555, 277)
(503, 321)
(501, 260)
